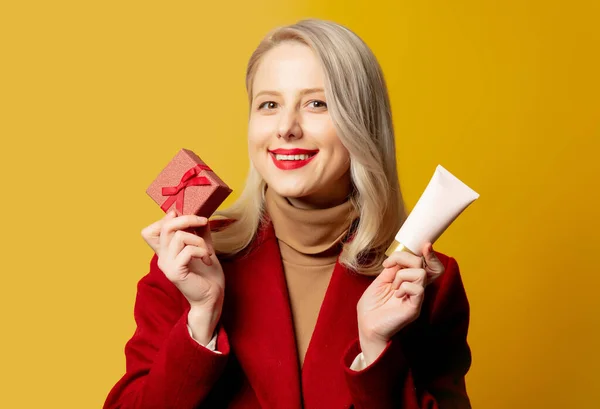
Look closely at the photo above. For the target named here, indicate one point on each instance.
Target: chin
(288, 191)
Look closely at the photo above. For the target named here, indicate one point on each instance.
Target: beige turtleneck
(310, 242)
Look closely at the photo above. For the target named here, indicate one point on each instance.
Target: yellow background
(96, 97)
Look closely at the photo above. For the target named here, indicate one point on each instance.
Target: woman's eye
(317, 104)
(268, 105)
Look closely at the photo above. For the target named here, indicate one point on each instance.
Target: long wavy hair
(358, 102)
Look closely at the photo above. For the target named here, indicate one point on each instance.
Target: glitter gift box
(188, 185)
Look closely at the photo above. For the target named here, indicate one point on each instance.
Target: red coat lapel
(258, 321)
(323, 377)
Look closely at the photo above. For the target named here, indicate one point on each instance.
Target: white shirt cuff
(359, 363)
(212, 345)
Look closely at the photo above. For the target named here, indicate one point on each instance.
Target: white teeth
(291, 157)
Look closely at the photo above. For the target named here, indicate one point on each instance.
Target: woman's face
(291, 139)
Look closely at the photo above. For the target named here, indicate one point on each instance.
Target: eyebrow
(302, 93)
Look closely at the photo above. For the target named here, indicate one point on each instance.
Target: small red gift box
(188, 185)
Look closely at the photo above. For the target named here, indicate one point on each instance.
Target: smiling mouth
(290, 159)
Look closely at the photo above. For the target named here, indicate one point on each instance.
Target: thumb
(434, 266)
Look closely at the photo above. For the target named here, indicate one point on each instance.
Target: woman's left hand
(394, 298)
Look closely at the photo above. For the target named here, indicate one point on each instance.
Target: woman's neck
(334, 196)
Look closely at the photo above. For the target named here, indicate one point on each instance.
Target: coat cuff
(375, 386)
(203, 359)
(212, 345)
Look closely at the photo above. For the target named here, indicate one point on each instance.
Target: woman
(292, 303)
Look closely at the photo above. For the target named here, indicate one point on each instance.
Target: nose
(289, 125)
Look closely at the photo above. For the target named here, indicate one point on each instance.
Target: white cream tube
(443, 200)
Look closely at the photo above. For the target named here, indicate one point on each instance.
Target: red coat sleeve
(434, 377)
(165, 367)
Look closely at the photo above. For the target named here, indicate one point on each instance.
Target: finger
(188, 221)
(403, 259)
(151, 233)
(180, 240)
(189, 252)
(178, 223)
(433, 265)
(387, 275)
(413, 275)
(206, 234)
(409, 289)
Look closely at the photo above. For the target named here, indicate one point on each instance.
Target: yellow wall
(96, 97)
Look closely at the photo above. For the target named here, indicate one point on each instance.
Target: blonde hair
(359, 106)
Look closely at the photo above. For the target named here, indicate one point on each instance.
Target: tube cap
(397, 246)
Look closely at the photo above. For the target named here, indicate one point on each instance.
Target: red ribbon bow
(177, 193)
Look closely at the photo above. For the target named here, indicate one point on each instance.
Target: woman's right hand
(189, 261)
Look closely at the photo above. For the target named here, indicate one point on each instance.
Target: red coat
(423, 366)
